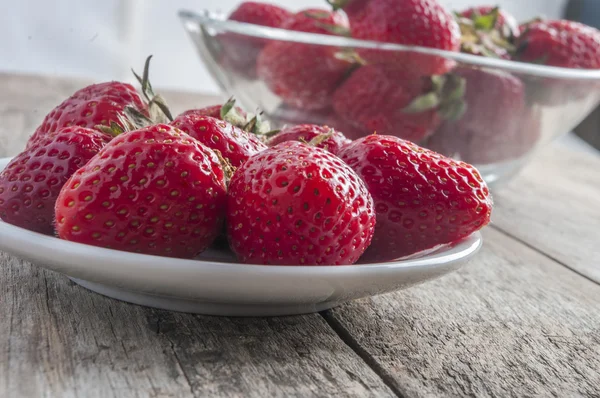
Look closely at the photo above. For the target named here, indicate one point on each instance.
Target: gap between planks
(538, 250)
(346, 336)
(355, 346)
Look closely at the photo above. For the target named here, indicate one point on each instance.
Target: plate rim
(12, 236)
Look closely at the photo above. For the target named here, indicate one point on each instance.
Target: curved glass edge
(193, 21)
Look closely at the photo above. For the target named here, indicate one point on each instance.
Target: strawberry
(390, 101)
(422, 199)
(304, 76)
(284, 115)
(423, 23)
(98, 104)
(488, 31)
(32, 181)
(154, 191)
(294, 204)
(235, 144)
(561, 43)
(327, 137)
(216, 111)
(491, 127)
(240, 52)
(228, 112)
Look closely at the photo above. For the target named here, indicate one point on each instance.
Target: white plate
(216, 285)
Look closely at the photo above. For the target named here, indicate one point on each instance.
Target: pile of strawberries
(481, 115)
(112, 168)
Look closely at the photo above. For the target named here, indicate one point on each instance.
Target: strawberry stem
(230, 114)
(156, 103)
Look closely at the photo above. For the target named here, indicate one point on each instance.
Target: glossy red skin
(298, 205)
(561, 43)
(505, 19)
(165, 196)
(212, 111)
(32, 181)
(260, 14)
(423, 23)
(98, 104)
(240, 52)
(373, 99)
(235, 144)
(491, 130)
(306, 132)
(304, 76)
(422, 199)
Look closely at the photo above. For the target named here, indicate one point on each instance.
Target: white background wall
(103, 39)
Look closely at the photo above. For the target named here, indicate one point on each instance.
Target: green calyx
(131, 120)
(252, 123)
(230, 114)
(481, 35)
(159, 111)
(319, 139)
(446, 98)
(487, 21)
(338, 4)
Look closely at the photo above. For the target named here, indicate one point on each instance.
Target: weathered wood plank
(512, 323)
(554, 206)
(59, 340)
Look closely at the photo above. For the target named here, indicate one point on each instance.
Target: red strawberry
(294, 204)
(305, 75)
(234, 115)
(287, 115)
(32, 181)
(389, 101)
(154, 191)
(566, 44)
(235, 144)
(240, 52)
(307, 132)
(422, 199)
(492, 125)
(212, 111)
(423, 23)
(98, 104)
(488, 31)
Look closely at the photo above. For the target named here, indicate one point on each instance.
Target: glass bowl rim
(193, 21)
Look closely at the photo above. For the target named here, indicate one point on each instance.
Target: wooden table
(523, 319)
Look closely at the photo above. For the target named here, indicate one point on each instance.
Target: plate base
(204, 308)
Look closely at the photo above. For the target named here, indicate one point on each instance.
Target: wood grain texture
(554, 206)
(512, 323)
(59, 340)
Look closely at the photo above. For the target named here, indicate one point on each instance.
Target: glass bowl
(489, 112)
